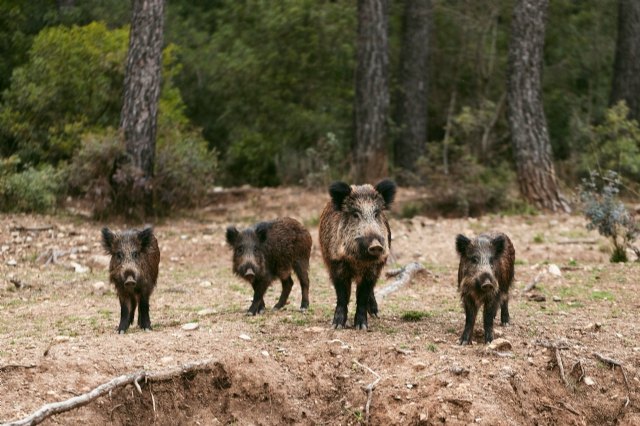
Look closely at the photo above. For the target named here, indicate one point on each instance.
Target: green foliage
(607, 214)
(281, 78)
(29, 190)
(414, 316)
(615, 144)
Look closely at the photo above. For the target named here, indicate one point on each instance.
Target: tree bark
(370, 159)
(529, 134)
(412, 102)
(142, 83)
(626, 69)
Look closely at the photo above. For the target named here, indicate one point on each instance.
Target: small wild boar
(485, 275)
(134, 271)
(355, 239)
(270, 250)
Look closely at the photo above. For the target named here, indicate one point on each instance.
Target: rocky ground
(58, 315)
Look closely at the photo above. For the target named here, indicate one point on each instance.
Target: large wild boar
(270, 250)
(485, 275)
(134, 271)
(355, 239)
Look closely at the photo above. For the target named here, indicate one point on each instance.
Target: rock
(557, 299)
(78, 268)
(589, 381)
(315, 329)
(61, 339)
(500, 345)
(265, 353)
(459, 371)
(536, 297)
(593, 326)
(12, 262)
(205, 312)
(244, 337)
(419, 366)
(99, 287)
(205, 284)
(191, 326)
(554, 270)
(166, 360)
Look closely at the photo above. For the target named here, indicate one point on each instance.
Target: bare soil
(58, 316)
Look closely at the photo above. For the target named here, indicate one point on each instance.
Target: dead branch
(535, 281)
(54, 408)
(614, 363)
(404, 276)
(368, 389)
(34, 229)
(564, 407)
(559, 344)
(582, 373)
(577, 242)
(8, 367)
(561, 367)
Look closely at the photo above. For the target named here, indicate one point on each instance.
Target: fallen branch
(34, 229)
(564, 407)
(614, 363)
(577, 242)
(535, 281)
(8, 367)
(368, 389)
(404, 276)
(561, 367)
(582, 373)
(54, 408)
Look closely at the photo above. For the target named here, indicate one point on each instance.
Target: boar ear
(145, 236)
(261, 231)
(462, 243)
(387, 188)
(339, 191)
(232, 235)
(498, 244)
(107, 239)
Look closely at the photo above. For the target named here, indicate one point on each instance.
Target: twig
(582, 373)
(8, 367)
(54, 408)
(114, 409)
(435, 373)
(535, 281)
(368, 389)
(564, 406)
(34, 229)
(577, 242)
(613, 363)
(560, 344)
(403, 277)
(561, 367)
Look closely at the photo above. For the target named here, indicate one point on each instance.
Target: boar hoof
(250, 314)
(361, 327)
(303, 310)
(465, 342)
(338, 326)
(121, 331)
(277, 307)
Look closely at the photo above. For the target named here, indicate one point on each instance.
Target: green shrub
(30, 190)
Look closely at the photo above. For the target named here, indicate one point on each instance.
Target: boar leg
(364, 291)
(470, 313)
(125, 308)
(301, 268)
(373, 305)
(144, 322)
(257, 305)
(132, 310)
(342, 283)
(504, 313)
(287, 285)
(489, 314)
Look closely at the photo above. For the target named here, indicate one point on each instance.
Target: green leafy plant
(31, 189)
(607, 214)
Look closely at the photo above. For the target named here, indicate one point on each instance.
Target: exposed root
(614, 363)
(8, 367)
(368, 389)
(404, 276)
(561, 367)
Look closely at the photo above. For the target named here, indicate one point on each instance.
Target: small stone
(12, 262)
(61, 339)
(205, 284)
(419, 366)
(316, 329)
(554, 270)
(205, 312)
(190, 326)
(484, 361)
(99, 286)
(500, 345)
(244, 337)
(557, 299)
(409, 385)
(265, 353)
(589, 381)
(397, 397)
(166, 360)
(78, 268)
(423, 417)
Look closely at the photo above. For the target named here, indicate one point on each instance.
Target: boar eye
(134, 254)
(355, 215)
(119, 255)
(240, 250)
(475, 259)
(377, 213)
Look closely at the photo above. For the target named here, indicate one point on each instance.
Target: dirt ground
(58, 315)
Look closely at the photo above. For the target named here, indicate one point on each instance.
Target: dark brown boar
(134, 271)
(270, 250)
(355, 239)
(485, 275)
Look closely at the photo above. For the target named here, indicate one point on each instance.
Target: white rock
(557, 299)
(500, 345)
(205, 284)
(589, 381)
(62, 338)
(166, 360)
(265, 353)
(554, 270)
(190, 326)
(12, 262)
(78, 268)
(99, 286)
(244, 337)
(205, 312)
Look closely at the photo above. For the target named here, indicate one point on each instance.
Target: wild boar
(133, 270)
(485, 275)
(355, 239)
(270, 250)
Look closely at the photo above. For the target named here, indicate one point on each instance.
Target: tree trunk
(372, 92)
(626, 69)
(142, 88)
(412, 102)
(531, 146)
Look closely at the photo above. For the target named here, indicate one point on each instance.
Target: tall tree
(412, 103)
(529, 134)
(138, 120)
(370, 159)
(626, 69)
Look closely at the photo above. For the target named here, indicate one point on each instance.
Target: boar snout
(129, 277)
(370, 246)
(247, 271)
(487, 282)
(375, 248)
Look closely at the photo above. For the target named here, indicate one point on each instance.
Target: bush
(607, 213)
(29, 190)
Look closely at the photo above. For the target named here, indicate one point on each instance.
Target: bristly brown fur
(355, 240)
(133, 270)
(268, 251)
(485, 275)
